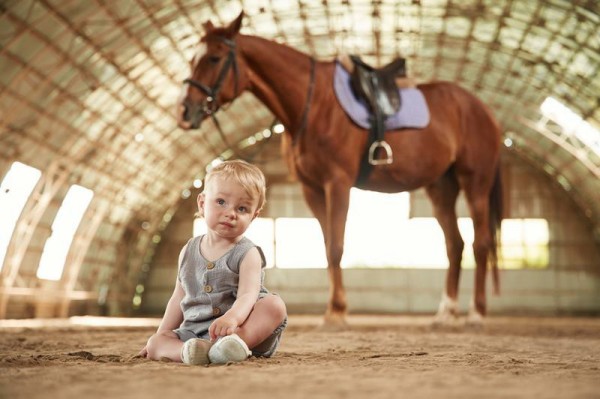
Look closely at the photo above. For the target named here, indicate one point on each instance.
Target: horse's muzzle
(190, 115)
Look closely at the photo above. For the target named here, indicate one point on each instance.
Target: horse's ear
(208, 26)
(235, 26)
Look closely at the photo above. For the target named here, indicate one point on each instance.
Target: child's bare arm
(247, 294)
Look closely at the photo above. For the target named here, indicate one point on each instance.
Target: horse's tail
(495, 217)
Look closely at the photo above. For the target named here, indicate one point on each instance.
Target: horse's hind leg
(477, 194)
(443, 194)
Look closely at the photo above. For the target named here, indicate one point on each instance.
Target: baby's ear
(256, 214)
(200, 200)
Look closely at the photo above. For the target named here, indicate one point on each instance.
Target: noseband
(210, 105)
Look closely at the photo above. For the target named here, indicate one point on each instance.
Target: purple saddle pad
(413, 112)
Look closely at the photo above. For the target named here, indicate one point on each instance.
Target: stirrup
(388, 153)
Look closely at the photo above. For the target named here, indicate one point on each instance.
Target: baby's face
(227, 207)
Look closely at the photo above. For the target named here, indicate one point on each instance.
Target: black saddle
(377, 86)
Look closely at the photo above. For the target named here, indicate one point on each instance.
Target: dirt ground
(376, 357)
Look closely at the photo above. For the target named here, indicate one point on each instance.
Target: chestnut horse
(458, 149)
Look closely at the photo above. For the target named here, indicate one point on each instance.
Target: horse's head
(215, 75)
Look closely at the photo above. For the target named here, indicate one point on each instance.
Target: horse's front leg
(337, 200)
(330, 207)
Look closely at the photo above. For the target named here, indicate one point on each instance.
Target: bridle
(210, 104)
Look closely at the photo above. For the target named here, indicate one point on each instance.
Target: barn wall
(160, 280)
(418, 291)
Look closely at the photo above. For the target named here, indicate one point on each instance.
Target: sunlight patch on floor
(85, 321)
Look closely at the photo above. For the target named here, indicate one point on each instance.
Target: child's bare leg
(267, 315)
(165, 344)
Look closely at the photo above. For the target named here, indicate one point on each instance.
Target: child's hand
(221, 327)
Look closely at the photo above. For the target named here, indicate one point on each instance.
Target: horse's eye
(214, 59)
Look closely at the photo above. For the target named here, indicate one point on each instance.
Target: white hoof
(334, 322)
(447, 313)
(474, 318)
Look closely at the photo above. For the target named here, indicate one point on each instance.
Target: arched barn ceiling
(88, 87)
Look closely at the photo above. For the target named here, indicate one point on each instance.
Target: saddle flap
(388, 96)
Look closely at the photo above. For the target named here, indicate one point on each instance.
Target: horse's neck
(280, 77)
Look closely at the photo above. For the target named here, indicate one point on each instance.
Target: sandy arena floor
(377, 357)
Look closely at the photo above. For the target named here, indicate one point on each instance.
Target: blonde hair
(250, 177)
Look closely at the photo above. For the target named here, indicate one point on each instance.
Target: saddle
(378, 85)
(378, 88)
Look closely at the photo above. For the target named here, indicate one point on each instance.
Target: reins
(210, 104)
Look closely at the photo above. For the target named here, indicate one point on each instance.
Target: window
(65, 225)
(525, 243)
(299, 243)
(571, 123)
(376, 229)
(380, 234)
(15, 189)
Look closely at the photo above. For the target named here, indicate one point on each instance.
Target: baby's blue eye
(221, 201)
(243, 209)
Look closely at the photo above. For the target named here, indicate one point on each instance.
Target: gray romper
(211, 288)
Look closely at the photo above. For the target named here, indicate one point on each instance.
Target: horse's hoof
(474, 320)
(447, 314)
(474, 317)
(334, 322)
(442, 320)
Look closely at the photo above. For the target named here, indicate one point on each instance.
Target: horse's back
(478, 132)
(443, 97)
